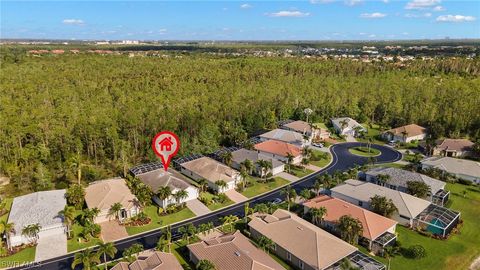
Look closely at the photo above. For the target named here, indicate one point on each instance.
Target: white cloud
(438, 8)
(353, 2)
(73, 22)
(417, 15)
(385, 1)
(245, 6)
(455, 18)
(405, 33)
(372, 36)
(286, 13)
(375, 15)
(422, 4)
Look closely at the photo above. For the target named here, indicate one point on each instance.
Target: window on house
(360, 203)
(289, 256)
(301, 265)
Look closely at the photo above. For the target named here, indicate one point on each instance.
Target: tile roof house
(104, 193)
(378, 231)
(241, 155)
(158, 178)
(232, 251)
(461, 168)
(406, 133)
(347, 126)
(306, 129)
(359, 193)
(156, 261)
(399, 179)
(453, 148)
(298, 241)
(279, 150)
(212, 171)
(283, 135)
(40, 207)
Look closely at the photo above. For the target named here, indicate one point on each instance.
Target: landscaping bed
(320, 159)
(214, 202)
(364, 151)
(299, 171)
(20, 255)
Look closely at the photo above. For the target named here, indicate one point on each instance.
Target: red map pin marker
(165, 145)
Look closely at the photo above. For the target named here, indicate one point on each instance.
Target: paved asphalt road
(342, 160)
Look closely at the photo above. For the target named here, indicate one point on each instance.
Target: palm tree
(264, 167)
(317, 186)
(202, 184)
(167, 237)
(326, 180)
(350, 228)
(164, 193)
(114, 209)
(227, 157)
(247, 210)
(203, 228)
(106, 249)
(88, 215)
(229, 220)
(318, 214)
(6, 229)
(68, 214)
(266, 243)
(243, 177)
(307, 152)
(221, 185)
(75, 196)
(87, 258)
(306, 194)
(132, 252)
(290, 158)
(205, 265)
(389, 252)
(76, 164)
(31, 231)
(290, 195)
(307, 112)
(305, 162)
(261, 208)
(248, 164)
(180, 195)
(383, 206)
(383, 179)
(404, 135)
(187, 231)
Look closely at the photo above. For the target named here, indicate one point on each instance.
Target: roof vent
(237, 253)
(300, 228)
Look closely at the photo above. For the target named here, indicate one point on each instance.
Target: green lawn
(73, 244)
(364, 152)
(216, 206)
(373, 133)
(160, 221)
(320, 125)
(260, 187)
(26, 255)
(299, 172)
(322, 162)
(456, 253)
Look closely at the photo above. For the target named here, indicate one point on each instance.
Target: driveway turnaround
(235, 196)
(286, 176)
(342, 160)
(51, 246)
(197, 207)
(112, 231)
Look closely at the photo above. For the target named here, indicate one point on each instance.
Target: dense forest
(97, 114)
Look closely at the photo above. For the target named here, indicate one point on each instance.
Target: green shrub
(416, 252)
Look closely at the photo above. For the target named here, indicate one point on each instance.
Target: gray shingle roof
(39, 207)
(240, 155)
(160, 178)
(399, 177)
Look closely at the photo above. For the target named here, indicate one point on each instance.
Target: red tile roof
(278, 148)
(373, 224)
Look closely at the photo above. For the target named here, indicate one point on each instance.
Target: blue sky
(241, 20)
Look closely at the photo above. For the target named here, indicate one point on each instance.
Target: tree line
(74, 118)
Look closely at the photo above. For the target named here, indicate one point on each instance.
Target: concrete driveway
(51, 246)
(197, 207)
(112, 231)
(235, 196)
(287, 176)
